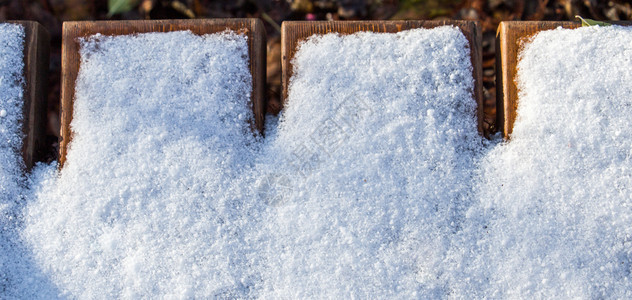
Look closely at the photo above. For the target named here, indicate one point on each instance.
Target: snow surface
(373, 182)
(19, 274)
(375, 155)
(187, 203)
(148, 203)
(557, 199)
(11, 89)
(11, 182)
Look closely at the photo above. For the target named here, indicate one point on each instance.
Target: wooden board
(293, 32)
(72, 31)
(36, 58)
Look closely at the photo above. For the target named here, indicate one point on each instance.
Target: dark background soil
(51, 14)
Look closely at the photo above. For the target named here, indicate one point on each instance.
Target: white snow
(11, 90)
(374, 156)
(165, 191)
(557, 198)
(373, 183)
(20, 278)
(148, 202)
(11, 181)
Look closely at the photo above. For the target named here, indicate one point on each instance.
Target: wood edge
(91, 24)
(258, 97)
(29, 96)
(356, 22)
(68, 77)
(476, 56)
(501, 80)
(40, 91)
(285, 72)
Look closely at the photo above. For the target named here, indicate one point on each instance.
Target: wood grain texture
(36, 58)
(293, 32)
(73, 31)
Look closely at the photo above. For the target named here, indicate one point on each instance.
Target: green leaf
(589, 22)
(120, 6)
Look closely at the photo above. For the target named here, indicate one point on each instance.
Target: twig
(269, 19)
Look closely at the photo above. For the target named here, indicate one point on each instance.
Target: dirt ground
(52, 13)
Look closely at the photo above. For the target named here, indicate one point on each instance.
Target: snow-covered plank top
(29, 88)
(161, 139)
(11, 91)
(511, 37)
(370, 171)
(23, 55)
(295, 32)
(560, 190)
(251, 29)
(11, 103)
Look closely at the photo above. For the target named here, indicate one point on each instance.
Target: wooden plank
(72, 31)
(510, 39)
(293, 32)
(36, 58)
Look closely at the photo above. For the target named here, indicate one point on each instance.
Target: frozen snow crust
(373, 183)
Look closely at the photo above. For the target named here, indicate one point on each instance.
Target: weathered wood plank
(72, 31)
(293, 32)
(36, 58)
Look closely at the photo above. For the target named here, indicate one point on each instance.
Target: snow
(175, 197)
(11, 80)
(149, 202)
(18, 273)
(373, 153)
(373, 183)
(557, 198)
(11, 89)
